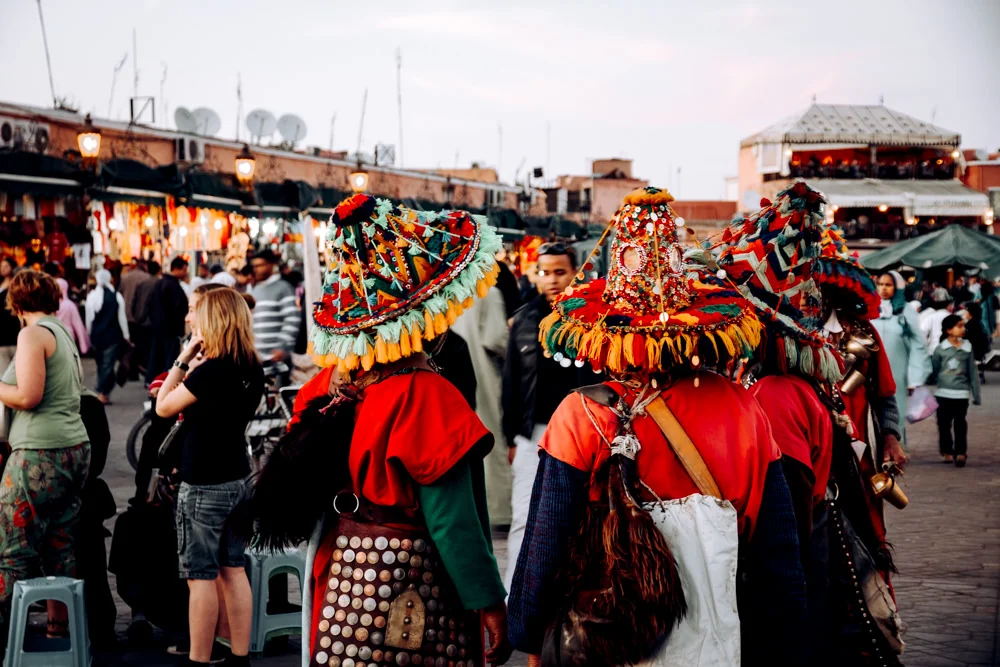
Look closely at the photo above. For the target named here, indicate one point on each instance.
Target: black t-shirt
(215, 447)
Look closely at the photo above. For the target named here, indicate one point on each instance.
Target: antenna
(163, 80)
(456, 158)
(881, 99)
(135, 66)
(399, 99)
(548, 148)
(500, 148)
(361, 125)
(48, 59)
(239, 103)
(114, 79)
(333, 122)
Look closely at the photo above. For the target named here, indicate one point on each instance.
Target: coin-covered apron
(384, 598)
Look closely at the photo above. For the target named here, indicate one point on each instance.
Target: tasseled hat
(651, 313)
(770, 254)
(397, 277)
(845, 283)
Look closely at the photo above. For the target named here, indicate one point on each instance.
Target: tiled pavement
(947, 543)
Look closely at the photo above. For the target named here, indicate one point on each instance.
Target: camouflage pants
(39, 511)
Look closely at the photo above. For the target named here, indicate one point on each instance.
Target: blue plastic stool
(65, 590)
(261, 568)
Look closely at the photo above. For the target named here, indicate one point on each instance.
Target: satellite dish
(292, 128)
(185, 120)
(261, 123)
(208, 121)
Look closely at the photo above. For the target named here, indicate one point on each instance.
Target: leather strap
(685, 450)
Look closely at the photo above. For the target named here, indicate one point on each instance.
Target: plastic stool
(262, 567)
(65, 590)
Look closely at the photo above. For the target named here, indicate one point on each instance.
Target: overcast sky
(669, 84)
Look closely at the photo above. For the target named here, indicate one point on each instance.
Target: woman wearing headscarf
(69, 315)
(108, 328)
(899, 327)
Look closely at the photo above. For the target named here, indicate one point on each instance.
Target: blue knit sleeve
(557, 502)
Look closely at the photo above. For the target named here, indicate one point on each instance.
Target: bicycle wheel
(133, 445)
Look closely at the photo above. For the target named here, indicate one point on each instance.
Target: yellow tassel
(615, 353)
(428, 324)
(482, 288)
(367, 361)
(467, 303)
(394, 351)
(352, 362)
(450, 314)
(440, 324)
(627, 343)
(404, 344)
(381, 353)
(416, 341)
(652, 352)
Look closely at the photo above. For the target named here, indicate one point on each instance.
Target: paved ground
(947, 543)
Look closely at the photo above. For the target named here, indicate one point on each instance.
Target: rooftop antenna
(500, 148)
(163, 80)
(456, 158)
(814, 98)
(548, 147)
(135, 66)
(114, 79)
(881, 99)
(333, 121)
(48, 59)
(399, 99)
(361, 125)
(239, 103)
(933, 115)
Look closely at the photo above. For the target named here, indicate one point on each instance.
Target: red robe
(721, 418)
(800, 423)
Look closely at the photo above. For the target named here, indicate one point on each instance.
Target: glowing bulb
(954, 155)
(834, 208)
(270, 227)
(149, 221)
(883, 208)
(183, 231)
(115, 224)
(218, 225)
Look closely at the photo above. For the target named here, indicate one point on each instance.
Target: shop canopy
(279, 199)
(132, 181)
(216, 191)
(27, 173)
(955, 245)
(926, 198)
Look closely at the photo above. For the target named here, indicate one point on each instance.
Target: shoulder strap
(685, 450)
(58, 329)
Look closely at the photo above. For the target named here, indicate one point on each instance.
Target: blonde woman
(217, 382)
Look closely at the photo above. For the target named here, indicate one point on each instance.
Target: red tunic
(800, 423)
(721, 418)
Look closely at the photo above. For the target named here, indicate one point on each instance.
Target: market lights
(359, 181)
(245, 166)
(89, 141)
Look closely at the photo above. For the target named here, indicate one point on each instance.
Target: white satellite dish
(292, 128)
(185, 120)
(208, 121)
(261, 123)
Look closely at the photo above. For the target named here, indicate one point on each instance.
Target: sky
(673, 85)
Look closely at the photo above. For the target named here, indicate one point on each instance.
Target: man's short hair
(153, 267)
(178, 263)
(215, 269)
(558, 249)
(268, 256)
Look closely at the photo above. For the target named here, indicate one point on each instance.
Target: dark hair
(216, 269)
(268, 256)
(153, 267)
(11, 262)
(247, 270)
(975, 309)
(52, 269)
(558, 249)
(178, 263)
(949, 323)
(33, 292)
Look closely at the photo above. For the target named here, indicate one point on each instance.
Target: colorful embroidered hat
(397, 277)
(651, 313)
(845, 283)
(770, 254)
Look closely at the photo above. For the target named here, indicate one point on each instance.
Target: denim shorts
(202, 546)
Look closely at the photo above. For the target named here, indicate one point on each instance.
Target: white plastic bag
(922, 405)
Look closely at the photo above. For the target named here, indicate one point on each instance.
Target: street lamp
(245, 166)
(359, 180)
(89, 141)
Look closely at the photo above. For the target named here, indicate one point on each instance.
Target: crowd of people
(689, 455)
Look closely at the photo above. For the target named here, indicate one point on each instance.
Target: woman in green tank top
(41, 482)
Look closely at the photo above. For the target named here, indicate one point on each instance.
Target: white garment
(703, 537)
(95, 301)
(224, 278)
(930, 325)
(523, 472)
(484, 329)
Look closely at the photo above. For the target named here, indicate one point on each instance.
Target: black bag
(126, 358)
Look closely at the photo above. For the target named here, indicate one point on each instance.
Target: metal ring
(357, 503)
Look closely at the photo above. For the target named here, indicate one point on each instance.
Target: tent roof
(955, 244)
(930, 197)
(854, 124)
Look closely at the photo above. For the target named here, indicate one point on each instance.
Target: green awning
(955, 245)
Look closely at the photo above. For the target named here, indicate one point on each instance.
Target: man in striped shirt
(276, 317)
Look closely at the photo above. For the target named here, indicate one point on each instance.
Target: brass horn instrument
(857, 348)
(887, 487)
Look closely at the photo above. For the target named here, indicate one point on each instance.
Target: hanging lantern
(359, 180)
(245, 166)
(89, 140)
